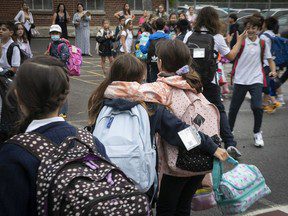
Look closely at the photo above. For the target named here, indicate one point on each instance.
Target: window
(93, 4)
(40, 4)
(140, 5)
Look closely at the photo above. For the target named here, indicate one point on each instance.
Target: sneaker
(277, 104)
(269, 109)
(234, 152)
(281, 100)
(258, 139)
(63, 115)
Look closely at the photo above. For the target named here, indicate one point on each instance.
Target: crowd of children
(150, 88)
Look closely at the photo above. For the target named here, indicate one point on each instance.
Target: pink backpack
(186, 105)
(75, 60)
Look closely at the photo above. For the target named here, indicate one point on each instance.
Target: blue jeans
(238, 97)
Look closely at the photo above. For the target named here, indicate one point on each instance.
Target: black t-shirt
(233, 28)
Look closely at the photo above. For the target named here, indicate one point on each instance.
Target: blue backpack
(127, 140)
(279, 49)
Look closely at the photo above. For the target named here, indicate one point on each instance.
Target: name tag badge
(190, 137)
(199, 53)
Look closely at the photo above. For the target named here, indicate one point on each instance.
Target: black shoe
(234, 152)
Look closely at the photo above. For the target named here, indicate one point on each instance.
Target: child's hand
(273, 74)
(242, 36)
(221, 154)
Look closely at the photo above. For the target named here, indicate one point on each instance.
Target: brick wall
(9, 9)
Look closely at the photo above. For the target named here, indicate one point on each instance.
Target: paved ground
(272, 160)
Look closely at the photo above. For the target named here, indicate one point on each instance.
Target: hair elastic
(183, 70)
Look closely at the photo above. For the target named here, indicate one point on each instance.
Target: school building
(43, 10)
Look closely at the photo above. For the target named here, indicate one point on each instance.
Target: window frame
(140, 11)
(95, 11)
(42, 8)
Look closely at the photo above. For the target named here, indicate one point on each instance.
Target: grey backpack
(73, 179)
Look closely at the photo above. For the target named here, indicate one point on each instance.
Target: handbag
(238, 189)
(196, 160)
(35, 32)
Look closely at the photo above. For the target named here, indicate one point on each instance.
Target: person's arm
(14, 190)
(54, 18)
(123, 42)
(168, 126)
(31, 18)
(272, 66)
(68, 17)
(16, 59)
(18, 17)
(117, 14)
(144, 49)
(75, 21)
(233, 53)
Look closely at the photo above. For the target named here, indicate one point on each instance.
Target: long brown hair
(124, 68)
(208, 18)
(15, 35)
(174, 54)
(42, 86)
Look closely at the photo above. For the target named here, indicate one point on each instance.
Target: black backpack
(152, 57)
(9, 112)
(205, 66)
(74, 179)
(23, 55)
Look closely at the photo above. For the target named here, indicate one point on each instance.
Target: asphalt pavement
(272, 159)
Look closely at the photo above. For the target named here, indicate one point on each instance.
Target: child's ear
(11, 33)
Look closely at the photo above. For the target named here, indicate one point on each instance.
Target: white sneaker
(258, 139)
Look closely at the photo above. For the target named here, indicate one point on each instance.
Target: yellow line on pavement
(85, 81)
(95, 73)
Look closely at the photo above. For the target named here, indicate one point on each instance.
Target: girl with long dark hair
(61, 18)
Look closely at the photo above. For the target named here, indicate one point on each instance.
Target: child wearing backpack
(270, 27)
(6, 33)
(41, 87)
(105, 38)
(118, 30)
(142, 40)
(250, 77)
(177, 187)
(21, 38)
(62, 53)
(149, 48)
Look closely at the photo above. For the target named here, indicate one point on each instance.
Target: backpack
(239, 188)
(9, 112)
(73, 179)
(143, 40)
(196, 110)
(262, 48)
(202, 51)
(127, 140)
(75, 59)
(279, 49)
(151, 54)
(23, 55)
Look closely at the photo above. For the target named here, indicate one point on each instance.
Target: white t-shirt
(128, 41)
(191, 18)
(219, 46)
(267, 42)
(16, 59)
(249, 67)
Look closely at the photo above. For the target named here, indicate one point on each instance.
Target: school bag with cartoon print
(143, 40)
(74, 179)
(239, 188)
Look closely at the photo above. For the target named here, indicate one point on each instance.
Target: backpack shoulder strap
(262, 47)
(9, 53)
(236, 60)
(34, 143)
